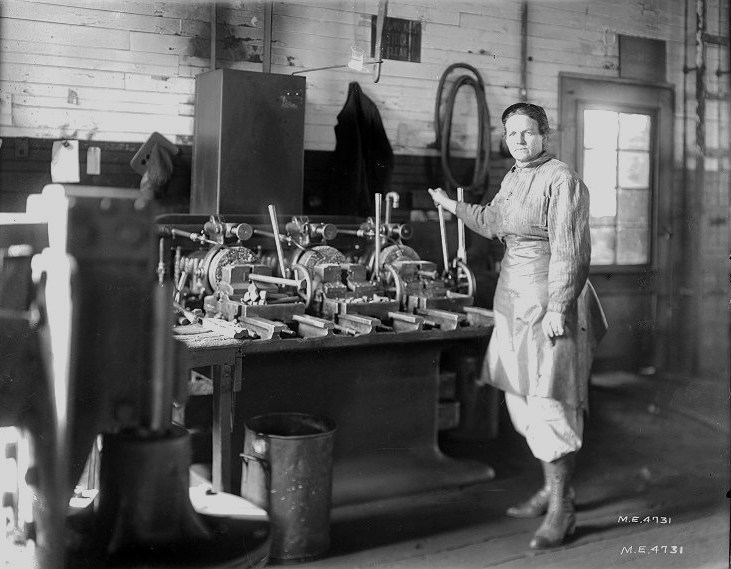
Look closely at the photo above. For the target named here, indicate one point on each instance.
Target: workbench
(381, 389)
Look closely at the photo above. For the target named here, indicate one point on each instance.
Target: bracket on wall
(382, 13)
(356, 62)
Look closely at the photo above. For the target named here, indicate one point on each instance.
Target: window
(616, 165)
(401, 40)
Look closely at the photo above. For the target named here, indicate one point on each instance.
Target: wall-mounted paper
(65, 162)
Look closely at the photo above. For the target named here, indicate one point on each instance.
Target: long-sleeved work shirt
(543, 201)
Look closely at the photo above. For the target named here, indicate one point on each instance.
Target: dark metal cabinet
(248, 144)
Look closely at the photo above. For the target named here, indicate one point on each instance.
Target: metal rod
(380, 26)
(273, 280)
(317, 69)
(213, 35)
(161, 261)
(197, 237)
(392, 201)
(700, 169)
(160, 394)
(307, 70)
(266, 63)
(277, 239)
(443, 233)
(357, 232)
(461, 245)
(377, 258)
(524, 50)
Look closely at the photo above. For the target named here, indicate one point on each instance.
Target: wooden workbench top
(200, 339)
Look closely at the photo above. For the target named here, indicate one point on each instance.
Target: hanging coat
(362, 163)
(541, 214)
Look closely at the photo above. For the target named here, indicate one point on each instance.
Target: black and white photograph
(365, 284)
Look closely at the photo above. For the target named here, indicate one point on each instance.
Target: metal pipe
(254, 277)
(161, 380)
(161, 261)
(443, 233)
(213, 35)
(266, 60)
(700, 170)
(380, 26)
(176, 268)
(524, 50)
(361, 232)
(392, 201)
(277, 240)
(196, 237)
(377, 258)
(279, 237)
(461, 245)
(317, 69)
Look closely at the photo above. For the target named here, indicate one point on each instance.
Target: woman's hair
(533, 111)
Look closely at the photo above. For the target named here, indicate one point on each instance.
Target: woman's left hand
(553, 324)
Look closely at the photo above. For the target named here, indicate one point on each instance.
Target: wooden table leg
(221, 460)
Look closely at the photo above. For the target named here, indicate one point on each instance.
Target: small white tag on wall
(93, 161)
(65, 162)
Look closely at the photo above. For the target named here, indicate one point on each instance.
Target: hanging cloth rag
(362, 164)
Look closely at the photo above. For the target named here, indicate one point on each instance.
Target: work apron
(520, 358)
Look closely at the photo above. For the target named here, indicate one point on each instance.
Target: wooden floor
(655, 448)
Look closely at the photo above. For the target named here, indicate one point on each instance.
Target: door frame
(655, 281)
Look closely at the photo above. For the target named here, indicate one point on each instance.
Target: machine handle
(195, 237)
(377, 237)
(461, 245)
(277, 239)
(443, 233)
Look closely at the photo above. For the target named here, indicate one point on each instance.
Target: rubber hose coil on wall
(443, 126)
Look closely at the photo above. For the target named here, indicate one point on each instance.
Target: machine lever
(377, 257)
(461, 246)
(195, 237)
(443, 233)
(277, 240)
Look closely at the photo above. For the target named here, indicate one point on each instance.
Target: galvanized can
(287, 470)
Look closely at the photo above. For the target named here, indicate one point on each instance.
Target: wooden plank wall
(119, 69)
(113, 71)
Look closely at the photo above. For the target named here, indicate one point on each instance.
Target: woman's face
(523, 138)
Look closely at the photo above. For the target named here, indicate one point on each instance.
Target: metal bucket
(287, 470)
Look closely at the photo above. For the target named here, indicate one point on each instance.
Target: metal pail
(287, 470)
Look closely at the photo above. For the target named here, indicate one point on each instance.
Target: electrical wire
(443, 126)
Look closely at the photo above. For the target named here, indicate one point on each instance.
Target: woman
(547, 317)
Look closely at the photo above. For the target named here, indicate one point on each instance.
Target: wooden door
(618, 135)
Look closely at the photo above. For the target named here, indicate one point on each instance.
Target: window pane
(634, 169)
(603, 245)
(600, 129)
(617, 167)
(633, 208)
(634, 132)
(600, 176)
(633, 246)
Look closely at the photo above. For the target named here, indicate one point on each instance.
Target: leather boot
(536, 505)
(533, 507)
(560, 520)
